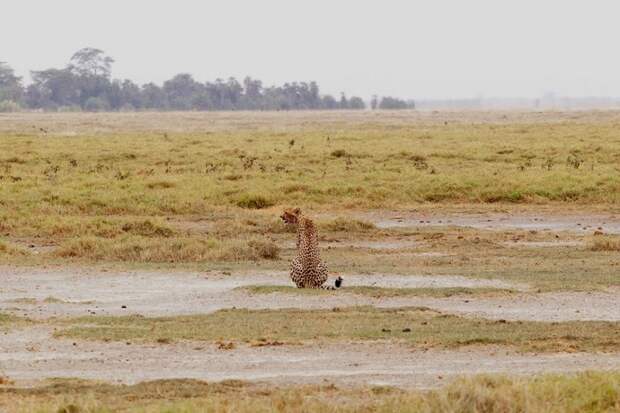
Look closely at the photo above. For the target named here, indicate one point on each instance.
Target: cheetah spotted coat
(307, 268)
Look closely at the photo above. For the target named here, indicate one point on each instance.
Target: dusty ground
(576, 223)
(31, 353)
(41, 294)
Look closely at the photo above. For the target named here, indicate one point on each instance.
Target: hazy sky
(417, 49)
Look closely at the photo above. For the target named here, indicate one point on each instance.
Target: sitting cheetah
(307, 268)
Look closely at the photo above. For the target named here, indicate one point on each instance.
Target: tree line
(86, 83)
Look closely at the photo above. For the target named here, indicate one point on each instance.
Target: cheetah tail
(337, 285)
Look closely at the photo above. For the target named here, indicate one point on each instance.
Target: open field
(143, 247)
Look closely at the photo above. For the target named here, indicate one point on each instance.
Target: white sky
(417, 49)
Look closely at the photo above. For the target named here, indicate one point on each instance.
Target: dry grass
(172, 250)
(127, 180)
(342, 224)
(584, 392)
(605, 244)
(132, 169)
(416, 326)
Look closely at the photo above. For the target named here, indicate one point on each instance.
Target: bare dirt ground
(45, 293)
(575, 223)
(41, 294)
(31, 355)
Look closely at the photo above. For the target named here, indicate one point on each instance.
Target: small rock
(406, 330)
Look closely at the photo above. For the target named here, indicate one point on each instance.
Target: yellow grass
(585, 392)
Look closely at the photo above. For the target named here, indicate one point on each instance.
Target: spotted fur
(307, 268)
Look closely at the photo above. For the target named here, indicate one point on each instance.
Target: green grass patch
(8, 321)
(419, 327)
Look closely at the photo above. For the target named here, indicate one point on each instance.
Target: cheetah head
(291, 216)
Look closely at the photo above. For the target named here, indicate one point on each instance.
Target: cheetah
(307, 268)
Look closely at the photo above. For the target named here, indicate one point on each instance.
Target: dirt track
(30, 355)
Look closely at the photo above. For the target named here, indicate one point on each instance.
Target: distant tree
(328, 102)
(344, 103)
(131, 95)
(53, 88)
(388, 102)
(153, 97)
(252, 94)
(96, 104)
(91, 62)
(356, 103)
(374, 102)
(86, 83)
(10, 85)
(181, 90)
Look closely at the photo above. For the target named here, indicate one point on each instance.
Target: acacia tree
(91, 62)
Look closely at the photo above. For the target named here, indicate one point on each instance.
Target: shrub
(9, 106)
(265, 249)
(345, 224)
(605, 244)
(252, 201)
(96, 104)
(147, 229)
(6, 249)
(160, 185)
(339, 153)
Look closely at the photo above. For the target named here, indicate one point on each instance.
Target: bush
(6, 249)
(265, 249)
(251, 201)
(346, 224)
(339, 153)
(147, 229)
(9, 106)
(96, 104)
(69, 109)
(605, 244)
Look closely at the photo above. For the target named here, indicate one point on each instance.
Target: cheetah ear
(297, 211)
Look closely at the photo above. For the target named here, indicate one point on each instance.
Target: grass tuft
(342, 224)
(253, 201)
(605, 244)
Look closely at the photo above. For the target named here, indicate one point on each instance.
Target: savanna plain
(144, 266)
